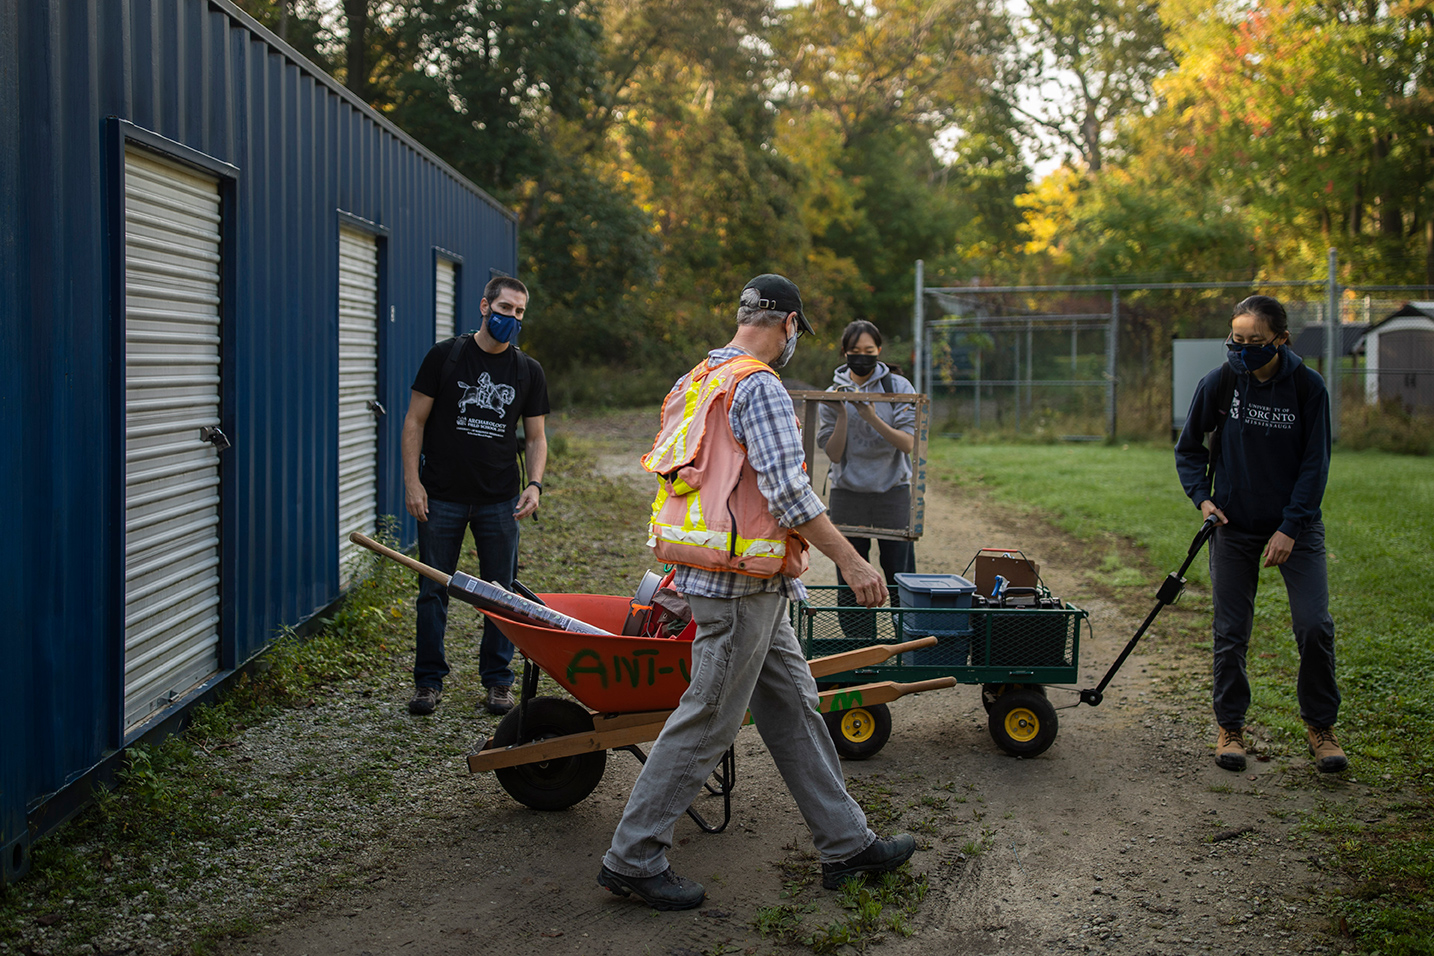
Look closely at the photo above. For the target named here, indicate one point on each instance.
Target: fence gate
(359, 407)
(172, 442)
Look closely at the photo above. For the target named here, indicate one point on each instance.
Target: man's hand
(1278, 551)
(1207, 508)
(415, 499)
(527, 502)
(865, 582)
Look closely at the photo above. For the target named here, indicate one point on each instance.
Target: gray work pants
(745, 655)
(1235, 560)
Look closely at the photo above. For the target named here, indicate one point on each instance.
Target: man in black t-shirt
(460, 471)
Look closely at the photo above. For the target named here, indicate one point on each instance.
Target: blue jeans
(440, 541)
(1235, 560)
(745, 655)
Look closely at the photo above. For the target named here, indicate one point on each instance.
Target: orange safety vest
(709, 512)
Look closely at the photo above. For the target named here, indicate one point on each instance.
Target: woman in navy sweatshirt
(1271, 465)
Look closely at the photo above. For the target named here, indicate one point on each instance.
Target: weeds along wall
(219, 272)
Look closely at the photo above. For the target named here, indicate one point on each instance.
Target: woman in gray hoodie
(869, 444)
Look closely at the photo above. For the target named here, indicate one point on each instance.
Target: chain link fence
(1090, 362)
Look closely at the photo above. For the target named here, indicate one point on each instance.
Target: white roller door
(445, 285)
(358, 390)
(172, 500)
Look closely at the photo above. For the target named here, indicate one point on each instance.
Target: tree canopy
(660, 152)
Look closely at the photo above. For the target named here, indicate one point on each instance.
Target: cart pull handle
(1169, 593)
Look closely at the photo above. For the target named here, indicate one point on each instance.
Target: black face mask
(860, 364)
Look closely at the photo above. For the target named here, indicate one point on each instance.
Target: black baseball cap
(780, 293)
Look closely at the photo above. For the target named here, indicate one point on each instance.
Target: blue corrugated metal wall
(199, 73)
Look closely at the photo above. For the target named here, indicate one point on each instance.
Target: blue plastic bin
(939, 592)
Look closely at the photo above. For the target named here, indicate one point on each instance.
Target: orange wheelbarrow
(549, 753)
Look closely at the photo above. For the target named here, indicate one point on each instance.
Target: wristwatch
(536, 484)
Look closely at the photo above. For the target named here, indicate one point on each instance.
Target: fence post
(918, 319)
(1333, 344)
(1110, 362)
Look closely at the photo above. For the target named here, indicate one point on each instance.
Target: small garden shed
(1399, 358)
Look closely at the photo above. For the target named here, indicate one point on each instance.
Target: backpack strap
(525, 375)
(1224, 395)
(886, 382)
(455, 352)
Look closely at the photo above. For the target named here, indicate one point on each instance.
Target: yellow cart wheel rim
(1022, 724)
(857, 725)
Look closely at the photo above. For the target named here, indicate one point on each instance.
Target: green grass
(1379, 522)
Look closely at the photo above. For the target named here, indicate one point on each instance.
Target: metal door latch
(215, 436)
(375, 406)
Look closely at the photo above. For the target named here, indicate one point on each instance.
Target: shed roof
(1415, 310)
(1310, 342)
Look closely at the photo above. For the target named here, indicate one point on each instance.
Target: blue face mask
(504, 328)
(1247, 358)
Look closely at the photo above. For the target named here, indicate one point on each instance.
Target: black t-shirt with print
(470, 442)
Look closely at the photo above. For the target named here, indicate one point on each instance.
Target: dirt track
(1122, 838)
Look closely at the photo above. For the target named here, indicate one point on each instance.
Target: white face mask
(787, 351)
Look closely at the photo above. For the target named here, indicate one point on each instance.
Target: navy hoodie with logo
(1274, 451)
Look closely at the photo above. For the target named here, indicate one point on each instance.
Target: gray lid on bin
(933, 583)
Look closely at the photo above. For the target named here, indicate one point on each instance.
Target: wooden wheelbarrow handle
(413, 564)
(624, 729)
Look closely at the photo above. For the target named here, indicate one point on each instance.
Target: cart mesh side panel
(976, 645)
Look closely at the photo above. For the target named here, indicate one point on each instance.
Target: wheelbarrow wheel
(859, 732)
(549, 784)
(1022, 722)
(989, 692)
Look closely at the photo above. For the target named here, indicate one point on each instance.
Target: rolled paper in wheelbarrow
(484, 595)
(487, 596)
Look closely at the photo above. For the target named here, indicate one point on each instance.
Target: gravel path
(371, 837)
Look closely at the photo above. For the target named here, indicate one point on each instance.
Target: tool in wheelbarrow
(550, 752)
(1169, 593)
(483, 594)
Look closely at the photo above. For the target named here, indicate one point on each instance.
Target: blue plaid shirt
(764, 421)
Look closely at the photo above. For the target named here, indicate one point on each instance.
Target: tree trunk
(1429, 250)
(1090, 134)
(1391, 216)
(356, 59)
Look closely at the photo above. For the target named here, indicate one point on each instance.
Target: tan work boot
(1230, 749)
(1328, 755)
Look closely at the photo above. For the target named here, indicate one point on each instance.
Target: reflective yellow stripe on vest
(675, 448)
(695, 532)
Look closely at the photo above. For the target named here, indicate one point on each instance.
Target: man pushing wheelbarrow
(735, 514)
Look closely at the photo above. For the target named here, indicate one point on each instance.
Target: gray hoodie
(870, 463)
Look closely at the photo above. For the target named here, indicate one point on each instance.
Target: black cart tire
(989, 692)
(860, 732)
(551, 784)
(1023, 723)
